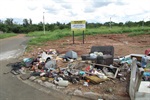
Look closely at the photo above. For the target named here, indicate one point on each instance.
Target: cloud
(32, 4)
(18, 20)
(72, 13)
(32, 7)
(66, 6)
(59, 1)
(67, 10)
(52, 7)
(102, 3)
(120, 3)
(89, 10)
(51, 10)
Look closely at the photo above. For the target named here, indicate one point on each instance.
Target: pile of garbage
(69, 68)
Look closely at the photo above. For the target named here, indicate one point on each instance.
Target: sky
(64, 11)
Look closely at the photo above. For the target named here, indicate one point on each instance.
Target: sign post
(83, 37)
(79, 25)
(73, 36)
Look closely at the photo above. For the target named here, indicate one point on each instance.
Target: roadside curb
(66, 95)
(57, 92)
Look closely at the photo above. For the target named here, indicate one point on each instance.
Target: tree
(9, 21)
(57, 23)
(3, 27)
(120, 24)
(147, 23)
(129, 23)
(107, 24)
(40, 26)
(25, 22)
(61, 26)
(16, 29)
(30, 21)
(68, 25)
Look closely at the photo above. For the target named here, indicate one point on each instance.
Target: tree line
(27, 26)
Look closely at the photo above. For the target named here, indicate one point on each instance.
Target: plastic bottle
(63, 83)
(144, 61)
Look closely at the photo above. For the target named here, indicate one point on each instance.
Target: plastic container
(63, 83)
(144, 61)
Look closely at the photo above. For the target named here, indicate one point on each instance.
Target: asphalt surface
(11, 88)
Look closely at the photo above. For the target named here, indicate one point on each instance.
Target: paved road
(12, 47)
(11, 88)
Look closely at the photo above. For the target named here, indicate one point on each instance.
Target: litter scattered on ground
(95, 68)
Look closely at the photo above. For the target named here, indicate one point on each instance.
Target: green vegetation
(58, 30)
(40, 37)
(6, 35)
(9, 26)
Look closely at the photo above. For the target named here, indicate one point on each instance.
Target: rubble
(78, 92)
(51, 69)
(49, 85)
(25, 76)
(32, 78)
(91, 95)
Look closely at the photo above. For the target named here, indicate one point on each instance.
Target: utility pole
(43, 23)
(110, 23)
(143, 24)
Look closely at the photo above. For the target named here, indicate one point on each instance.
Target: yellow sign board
(78, 25)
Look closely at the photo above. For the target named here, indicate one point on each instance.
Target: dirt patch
(123, 45)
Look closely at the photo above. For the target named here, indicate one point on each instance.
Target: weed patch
(6, 35)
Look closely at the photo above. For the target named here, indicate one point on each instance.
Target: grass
(6, 35)
(39, 37)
